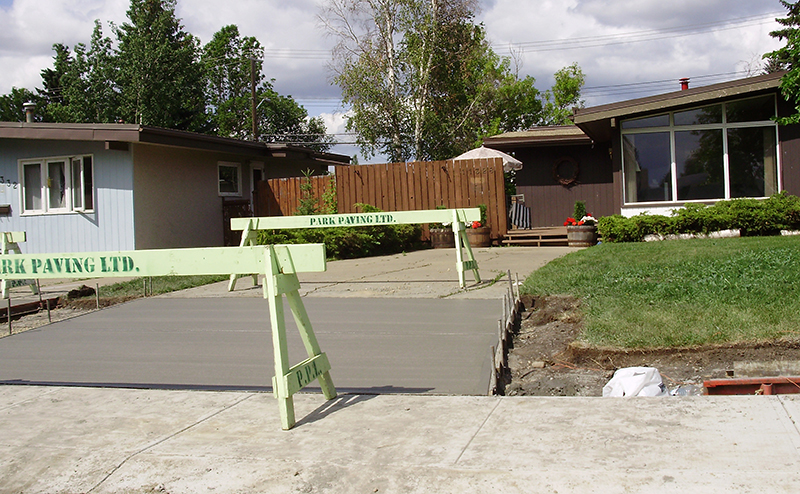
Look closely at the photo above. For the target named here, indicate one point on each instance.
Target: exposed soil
(547, 360)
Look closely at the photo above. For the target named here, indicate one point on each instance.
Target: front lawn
(681, 293)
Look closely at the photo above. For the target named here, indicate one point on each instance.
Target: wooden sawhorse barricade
(458, 218)
(279, 264)
(9, 244)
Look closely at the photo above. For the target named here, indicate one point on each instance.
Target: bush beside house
(751, 217)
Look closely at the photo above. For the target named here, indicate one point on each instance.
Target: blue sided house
(108, 187)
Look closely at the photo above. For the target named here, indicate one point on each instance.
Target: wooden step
(537, 237)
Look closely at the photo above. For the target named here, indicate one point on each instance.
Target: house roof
(539, 136)
(597, 121)
(117, 136)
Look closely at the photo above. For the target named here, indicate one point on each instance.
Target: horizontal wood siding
(109, 227)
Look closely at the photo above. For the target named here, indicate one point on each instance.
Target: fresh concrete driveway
(374, 345)
(388, 324)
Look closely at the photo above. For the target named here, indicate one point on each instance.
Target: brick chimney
(684, 83)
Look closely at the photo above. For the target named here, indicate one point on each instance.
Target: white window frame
(724, 126)
(238, 167)
(46, 183)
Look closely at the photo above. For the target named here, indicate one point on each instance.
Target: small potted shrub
(581, 228)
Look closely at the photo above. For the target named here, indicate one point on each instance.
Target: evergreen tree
(159, 75)
(11, 104)
(788, 58)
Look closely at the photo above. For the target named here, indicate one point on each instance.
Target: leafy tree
(160, 78)
(102, 96)
(563, 96)
(80, 86)
(788, 58)
(422, 81)
(231, 62)
(227, 60)
(11, 104)
(51, 97)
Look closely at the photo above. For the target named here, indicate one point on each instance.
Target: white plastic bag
(635, 381)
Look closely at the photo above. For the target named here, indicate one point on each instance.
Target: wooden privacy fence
(411, 186)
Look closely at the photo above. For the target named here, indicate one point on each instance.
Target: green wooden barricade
(458, 218)
(279, 264)
(9, 244)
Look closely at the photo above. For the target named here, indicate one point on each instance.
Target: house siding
(108, 228)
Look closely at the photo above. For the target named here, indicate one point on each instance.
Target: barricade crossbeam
(279, 264)
(456, 217)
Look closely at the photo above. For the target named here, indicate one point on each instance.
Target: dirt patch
(547, 360)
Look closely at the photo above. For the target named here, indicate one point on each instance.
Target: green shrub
(752, 217)
(580, 210)
(618, 228)
(351, 242)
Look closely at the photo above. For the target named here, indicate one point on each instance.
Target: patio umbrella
(509, 162)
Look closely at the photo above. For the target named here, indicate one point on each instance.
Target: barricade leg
(281, 279)
(463, 242)
(248, 239)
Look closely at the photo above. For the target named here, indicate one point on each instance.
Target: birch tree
(420, 77)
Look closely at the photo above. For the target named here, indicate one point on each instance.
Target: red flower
(476, 224)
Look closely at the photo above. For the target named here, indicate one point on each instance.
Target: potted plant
(442, 236)
(581, 228)
(478, 233)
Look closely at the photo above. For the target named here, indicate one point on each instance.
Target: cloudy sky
(626, 48)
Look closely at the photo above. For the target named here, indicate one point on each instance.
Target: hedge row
(351, 242)
(751, 217)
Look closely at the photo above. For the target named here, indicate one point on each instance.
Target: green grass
(160, 284)
(681, 293)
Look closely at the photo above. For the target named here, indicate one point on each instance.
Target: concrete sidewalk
(70, 440)
(59, 439)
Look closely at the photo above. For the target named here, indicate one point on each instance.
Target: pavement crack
(166, 438)
(476, 432)
(789, 416)
(28, 400)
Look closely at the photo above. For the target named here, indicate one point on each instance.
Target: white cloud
(607, 53)
(28, 28)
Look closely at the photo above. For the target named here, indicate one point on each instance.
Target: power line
(640, 36)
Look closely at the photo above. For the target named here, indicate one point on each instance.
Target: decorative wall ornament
(566, 170)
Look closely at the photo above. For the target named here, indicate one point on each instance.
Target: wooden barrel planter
(479, 237)
(581, 236)
(443, 238)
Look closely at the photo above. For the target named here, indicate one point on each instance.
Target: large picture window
(714, 152)
(57, 185)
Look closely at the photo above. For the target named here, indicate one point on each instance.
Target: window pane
(56, 185)
(647, 167)
(699, 116)
(228, 179)
(698, 156)
(751, 110)
(32, 183)
(753, 163)
(639, 123)
(77, 186)
(88, 183)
